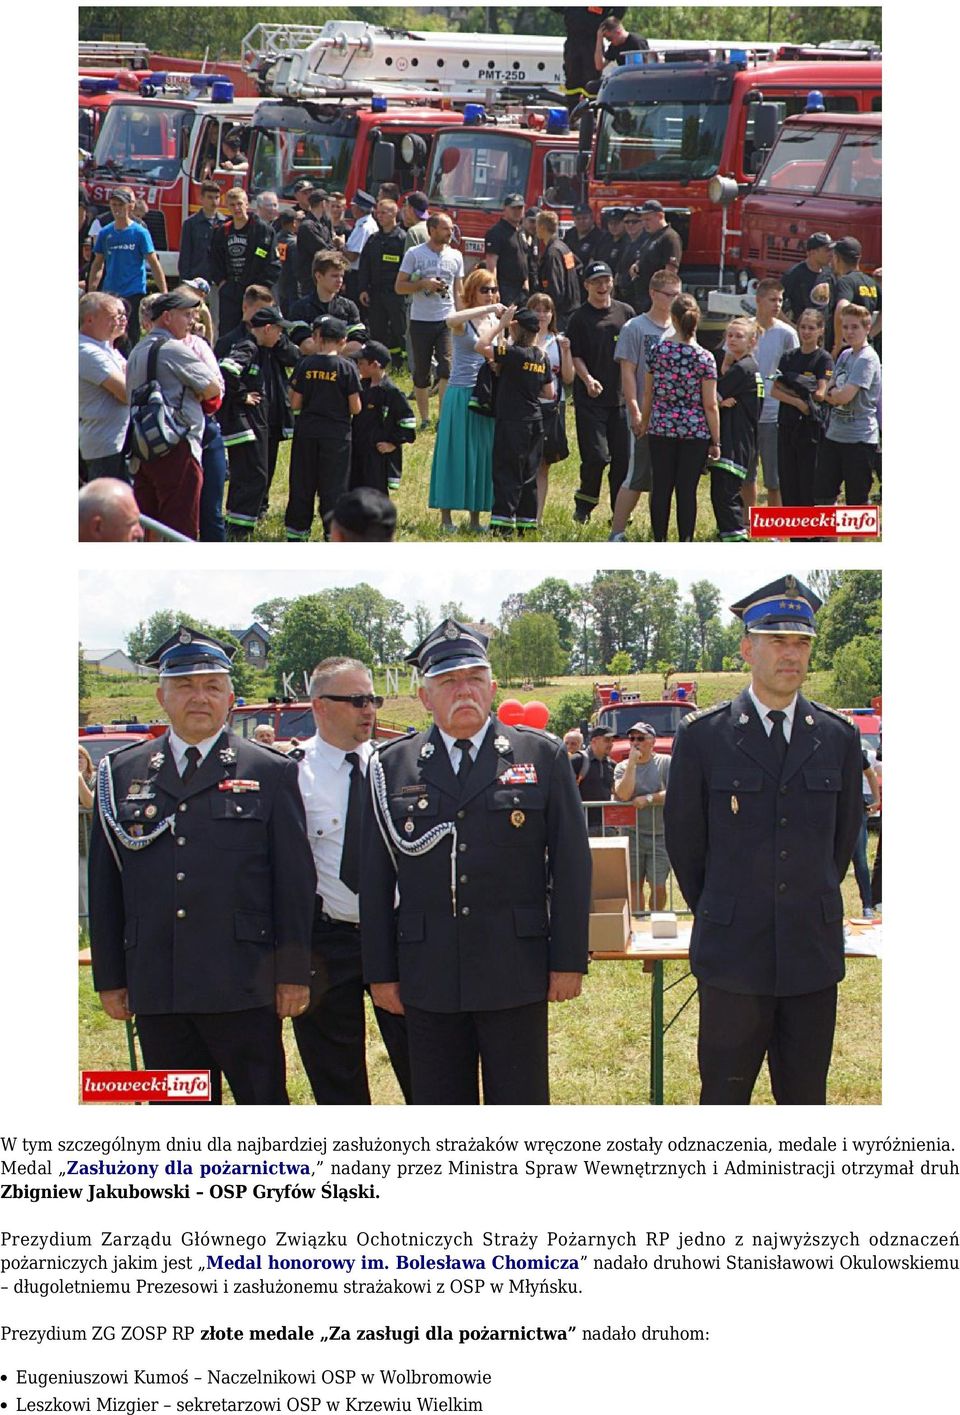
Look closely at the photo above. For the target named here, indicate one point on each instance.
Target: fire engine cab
(688, 128)
(163, 144)
(620, 710)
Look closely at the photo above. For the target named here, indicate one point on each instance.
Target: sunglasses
(357, 700)
(637, 737)
(488, 289)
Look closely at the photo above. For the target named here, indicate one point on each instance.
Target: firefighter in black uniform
(385, 310)
(586, 239)
(479, 827)
(761, 819)
(385, 422)
(254, 417)
(242, 252)
(327, 298)
(740, 392)
(202, 885)
(558, 273)
(325, 395)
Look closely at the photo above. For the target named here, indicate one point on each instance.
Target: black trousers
(231, 304)
(727, 503)
(247, 489)
(386, 317)
(797, 456)
(319, 473)
(510, 1046)
(737, 1030)
(677, 464)
(845, 464)
(246, 1046)
(331, 1036)
(602, 437)
(517, 451)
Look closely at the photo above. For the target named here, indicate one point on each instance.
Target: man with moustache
(475, 896)
(331, 1034)
(202, 885)
(761, 820)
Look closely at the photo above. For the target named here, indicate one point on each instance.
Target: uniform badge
(408, 827)
(423, 803)
(185, 636)
(734, 804)
(517, 818)
(743, 719)
(427, 749)
(227, 755)
(501, 744)
(235, 784)
(451, 632)
(156, 761)
(808, 720)
(520, 774)
(150, 812)
(134, 789)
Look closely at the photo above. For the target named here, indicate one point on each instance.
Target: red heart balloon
(536, 714)
(511, 712)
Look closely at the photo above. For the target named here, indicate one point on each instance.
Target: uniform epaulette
(536, 731)
(834, 712)
(707, 711)
(129, 746)
(268, 747)
(392, 741)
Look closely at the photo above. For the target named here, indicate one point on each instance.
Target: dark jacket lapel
(489, 762)
(804, 738)
(750, 735)
(435, 767)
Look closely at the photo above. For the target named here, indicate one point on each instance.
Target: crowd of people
(293, 326)
(448, 872)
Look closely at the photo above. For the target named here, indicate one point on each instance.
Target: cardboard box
(663, 925)
(610, 895)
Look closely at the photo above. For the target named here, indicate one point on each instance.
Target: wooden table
(863, 941)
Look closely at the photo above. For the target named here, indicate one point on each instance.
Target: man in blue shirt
(123, 251)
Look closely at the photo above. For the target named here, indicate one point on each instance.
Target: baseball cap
(583, 208)
(848, 247)
(365, 514)
(528, 319)
(595, 269)
(601, 731)
(329, 327)
(818, 241)
(418, 202)
(198, 283)
(123, 194)
(179, 299)
(269, 314)
(375, 353)
(514, 199)
(643, 728)
(302, 184)
(651, 205)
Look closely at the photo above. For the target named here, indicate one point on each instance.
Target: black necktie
(350, 859)
(463, 771)
(193, 761)
(777, 716)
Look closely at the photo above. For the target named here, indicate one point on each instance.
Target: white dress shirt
(762, 709)
(455, 753)
(179, 748)
(325, 788)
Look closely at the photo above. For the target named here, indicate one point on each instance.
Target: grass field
(415, 521)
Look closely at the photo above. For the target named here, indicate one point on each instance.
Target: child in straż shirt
(524, 376)
(325, 395)
(739, 393)
(385, 422)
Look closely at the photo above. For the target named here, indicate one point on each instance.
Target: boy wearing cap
(602, 435)
(385, 422)
(245, 419)
(325, 394)
(122, 254)
(853, 286)
(475, 891)
(761, 819)
(202, 886)
(524, 376)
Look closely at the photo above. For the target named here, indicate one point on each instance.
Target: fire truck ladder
(463, 66)
(103, 54)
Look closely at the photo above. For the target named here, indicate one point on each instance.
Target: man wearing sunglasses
(641, 780)
(331, 1034)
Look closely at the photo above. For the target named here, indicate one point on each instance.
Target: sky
(478, 577)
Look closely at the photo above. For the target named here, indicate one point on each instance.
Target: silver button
(181, 913)
(464, 879)
(182, 806)
(462, 847)
(180, 877)
(465, 910)
(239, 810)
(181, 840)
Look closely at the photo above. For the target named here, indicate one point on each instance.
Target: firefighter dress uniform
(492, 873)
(760, 847)
(201, 897)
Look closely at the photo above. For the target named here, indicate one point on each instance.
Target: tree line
(192, 31)
(619, 622)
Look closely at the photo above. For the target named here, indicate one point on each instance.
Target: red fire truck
(163, 147)
(670, 126)
(823, 174)
(472, 171)
(290, 720)
(621, 710)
